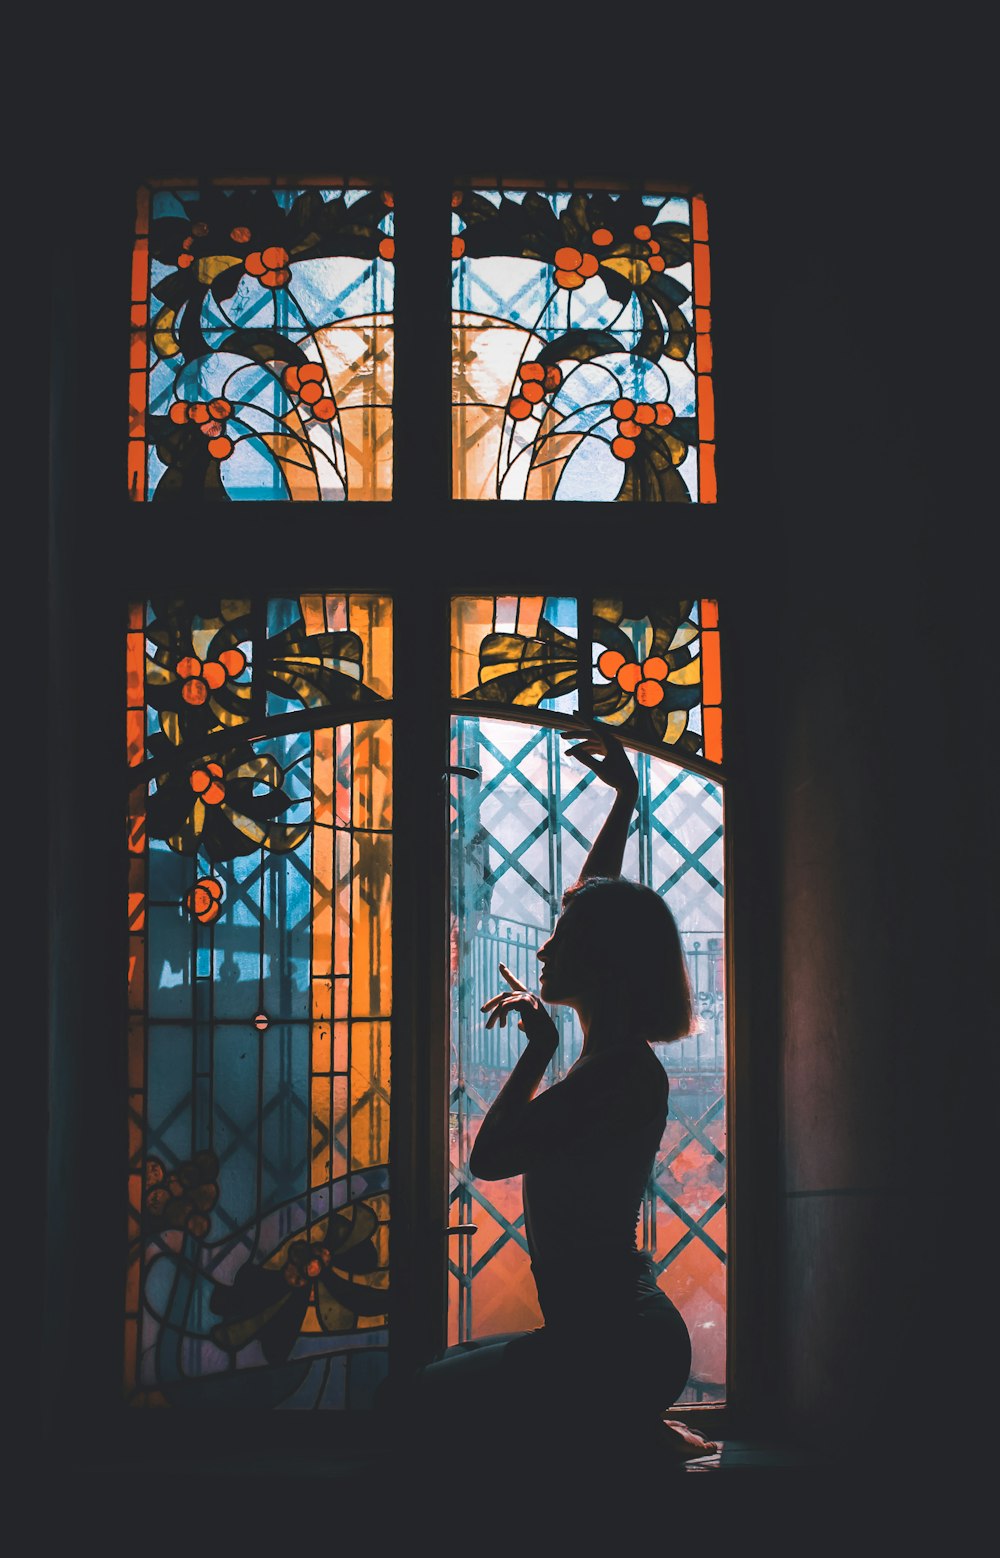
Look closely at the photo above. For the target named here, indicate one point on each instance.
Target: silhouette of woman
(613, 1353)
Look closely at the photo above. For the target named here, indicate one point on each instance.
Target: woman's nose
(542, 952)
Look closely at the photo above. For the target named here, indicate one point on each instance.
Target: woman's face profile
(564, 972)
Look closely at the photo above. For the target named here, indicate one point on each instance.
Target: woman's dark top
(587, 1152)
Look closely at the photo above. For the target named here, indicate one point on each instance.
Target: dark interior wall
(883, 822)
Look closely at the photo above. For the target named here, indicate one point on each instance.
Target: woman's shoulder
(625, 1065)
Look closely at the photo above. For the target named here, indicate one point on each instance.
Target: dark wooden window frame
(107, 550)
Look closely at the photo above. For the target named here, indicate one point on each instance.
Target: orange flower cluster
(536, 381)
(182, 1198)
(210, 418)
(198, 677)
(204, 900)
(306, 1262)
(208, 784)
(645, 680)
(269, 265)
(654, 258)
(573, 267)
(307, 383)
(632, 418)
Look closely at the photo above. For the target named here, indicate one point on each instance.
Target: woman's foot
(685, 1443)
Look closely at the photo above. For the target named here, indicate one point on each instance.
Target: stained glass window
(582, 346)
(654, 665)
(262, 342)
(260, 816)
(520, 834)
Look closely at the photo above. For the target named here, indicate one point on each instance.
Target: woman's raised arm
(603, 753)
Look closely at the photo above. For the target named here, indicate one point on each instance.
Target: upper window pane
(649, 666)
(262, 342)
(581, 346)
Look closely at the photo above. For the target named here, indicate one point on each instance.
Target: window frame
(567, 552)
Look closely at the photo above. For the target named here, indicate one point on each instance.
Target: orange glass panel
(370, 1093)
(370, 616)
(140, 270)
(711, 676)
(707, 486)
(341, 1046)
(709, 614)
(136, 469)
(706, 408)
(339, 1163)
(471, 622)
(321, 1048)
(703, 353)
(322, 1116)
(699, 219)
(702, 274)
(342, 904)
(371, 967)
(136, 973)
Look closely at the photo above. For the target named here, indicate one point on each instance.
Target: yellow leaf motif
(213, 265)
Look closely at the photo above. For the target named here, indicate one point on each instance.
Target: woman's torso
(582, 1199)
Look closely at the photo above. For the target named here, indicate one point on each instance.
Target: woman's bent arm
(604, 754)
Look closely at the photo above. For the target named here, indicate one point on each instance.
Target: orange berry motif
(204, 900)
(644, 681)
(307, 382)
(198, 677)
(573, 267)
(632, 416)
(537, 380)
(210, 419)
(208, 783)
(270, 266)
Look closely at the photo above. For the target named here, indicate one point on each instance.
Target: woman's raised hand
(532, 1016)
(602, 752)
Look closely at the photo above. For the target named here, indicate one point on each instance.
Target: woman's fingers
(499, 1013)
(511, 979)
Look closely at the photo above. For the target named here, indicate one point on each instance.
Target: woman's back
(585, 1175)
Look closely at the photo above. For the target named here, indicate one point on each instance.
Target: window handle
(466, 773)
(454, 1228)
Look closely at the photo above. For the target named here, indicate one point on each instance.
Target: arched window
(289, 748)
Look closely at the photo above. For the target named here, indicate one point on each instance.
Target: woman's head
(616, 943)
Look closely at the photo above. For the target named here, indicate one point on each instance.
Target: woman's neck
(602, 1031)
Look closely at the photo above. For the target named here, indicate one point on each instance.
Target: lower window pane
(259, 994)
(520, 835)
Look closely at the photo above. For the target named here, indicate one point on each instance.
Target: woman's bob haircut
(630, 940)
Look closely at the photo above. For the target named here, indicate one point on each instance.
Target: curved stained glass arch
(262, 342)
(260, 853)
(647, 666)
(582, 346)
